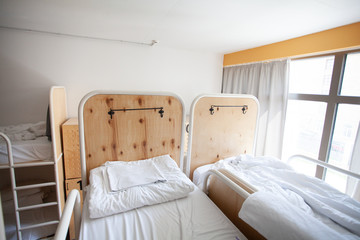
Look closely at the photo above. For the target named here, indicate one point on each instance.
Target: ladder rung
(39, 225)
(33, 164)
(35, 186)
(4, 166)
(23, 165)
(37, 206)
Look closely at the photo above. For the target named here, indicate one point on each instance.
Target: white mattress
(27, 150)
(192, 217)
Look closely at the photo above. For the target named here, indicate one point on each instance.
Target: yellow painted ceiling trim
(343, 37)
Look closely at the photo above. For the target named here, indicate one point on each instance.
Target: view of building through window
(323, 113)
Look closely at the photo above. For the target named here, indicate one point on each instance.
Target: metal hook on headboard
(112, 111)
(244, 108)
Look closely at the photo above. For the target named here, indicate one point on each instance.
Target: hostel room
(179, 119)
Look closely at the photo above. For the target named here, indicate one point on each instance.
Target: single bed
(277, 202)
(130, 130)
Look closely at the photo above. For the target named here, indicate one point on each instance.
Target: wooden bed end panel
(58, 115)
(229, 202)
(225, 133)
(132, 134)
(61, 181)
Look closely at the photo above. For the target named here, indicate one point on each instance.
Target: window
(323, 112)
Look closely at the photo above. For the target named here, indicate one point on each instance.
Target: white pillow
(103, 202)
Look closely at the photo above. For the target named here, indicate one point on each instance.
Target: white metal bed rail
(2, 224)
(11, 166)
(72, 205)
(239, 190)
(324, 164)
(13, 184)
(242, 192)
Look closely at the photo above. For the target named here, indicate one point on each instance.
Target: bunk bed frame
(58, 114)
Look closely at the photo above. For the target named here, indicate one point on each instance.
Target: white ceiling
(221, 26)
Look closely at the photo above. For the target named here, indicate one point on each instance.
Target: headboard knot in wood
(221, 125)
(134, 131)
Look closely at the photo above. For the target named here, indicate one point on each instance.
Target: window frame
(333, 99)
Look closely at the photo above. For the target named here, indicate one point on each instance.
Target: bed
(276, 202)
(30, 142)
(32, 164)
(123, 136)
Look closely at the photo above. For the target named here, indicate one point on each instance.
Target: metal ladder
(16, 188)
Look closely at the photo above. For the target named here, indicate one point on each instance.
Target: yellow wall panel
(344, 37)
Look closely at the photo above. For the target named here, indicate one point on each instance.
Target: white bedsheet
(29, 150)
(193, 217)
(315, 198)
(267, 212)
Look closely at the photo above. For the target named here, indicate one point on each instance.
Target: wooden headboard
(134, 134)
(229, 131)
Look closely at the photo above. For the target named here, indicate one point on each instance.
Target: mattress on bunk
(192, 217)
(29, 143)
(313, 197)
(27, 150)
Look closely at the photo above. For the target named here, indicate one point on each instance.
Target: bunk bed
(132, 130)
(31, 173)
(221, 142)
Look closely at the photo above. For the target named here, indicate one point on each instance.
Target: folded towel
(131, 174)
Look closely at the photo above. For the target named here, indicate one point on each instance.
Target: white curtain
(353, 185)
(268, 81)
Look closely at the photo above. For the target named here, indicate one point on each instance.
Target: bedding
(29, 143)
(315, 198)
(104, 202)
(193, 217)
(267, 212)
(23, 132)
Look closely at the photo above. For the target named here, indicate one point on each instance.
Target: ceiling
(220, 26)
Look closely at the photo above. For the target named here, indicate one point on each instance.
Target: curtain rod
(152, 43)
(264, 61)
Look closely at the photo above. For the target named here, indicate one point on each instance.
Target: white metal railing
(324, 164)
(72, 205)
(13, 184)
(11, 166)
(2, 224)
(239, 190)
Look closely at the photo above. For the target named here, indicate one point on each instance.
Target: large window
(323, 112)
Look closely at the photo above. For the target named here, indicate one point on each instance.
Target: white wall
(32, 62)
